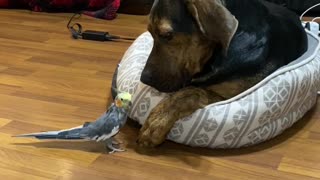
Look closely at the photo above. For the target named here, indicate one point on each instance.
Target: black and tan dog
(210, 50)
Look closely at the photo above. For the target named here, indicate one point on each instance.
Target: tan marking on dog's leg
(229, 89)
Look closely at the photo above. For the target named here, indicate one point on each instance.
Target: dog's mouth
(204, 76)
(165, 81)
(167, 85)
(169, 88)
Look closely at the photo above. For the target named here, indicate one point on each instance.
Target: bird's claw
(110, 144)
(116, 150)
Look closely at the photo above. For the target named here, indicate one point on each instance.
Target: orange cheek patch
(118, 103)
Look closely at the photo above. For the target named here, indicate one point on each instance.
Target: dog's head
(185, 34)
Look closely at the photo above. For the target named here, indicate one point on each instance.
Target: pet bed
(256, 115)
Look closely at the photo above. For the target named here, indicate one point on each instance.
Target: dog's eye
(167, 36)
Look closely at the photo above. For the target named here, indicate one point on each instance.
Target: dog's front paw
(155, 130)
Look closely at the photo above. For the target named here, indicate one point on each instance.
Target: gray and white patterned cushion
(256, 115)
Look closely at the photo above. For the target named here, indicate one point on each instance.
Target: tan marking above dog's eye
(165, 25)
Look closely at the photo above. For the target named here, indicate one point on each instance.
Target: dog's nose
(146, 77)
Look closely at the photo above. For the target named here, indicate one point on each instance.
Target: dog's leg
(167, 112)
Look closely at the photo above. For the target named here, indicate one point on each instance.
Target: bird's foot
(116, 150)
(112, 148)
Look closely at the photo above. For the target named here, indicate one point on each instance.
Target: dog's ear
(214, 20)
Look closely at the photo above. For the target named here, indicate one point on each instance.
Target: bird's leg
(110, 147)
(116, 142)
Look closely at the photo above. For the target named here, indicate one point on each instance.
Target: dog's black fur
(268, 37)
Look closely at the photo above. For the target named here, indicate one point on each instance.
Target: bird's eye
(121, 99)
(166, 36)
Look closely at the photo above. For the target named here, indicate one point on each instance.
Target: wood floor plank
(17, 175)
(302, 167)
(80, 153)
(4, 121)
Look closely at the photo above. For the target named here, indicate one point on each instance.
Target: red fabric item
(62, 3)
(104, 9)
(4, 3)
(109, 12)
(98, 3)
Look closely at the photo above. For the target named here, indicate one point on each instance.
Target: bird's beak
(129, 105)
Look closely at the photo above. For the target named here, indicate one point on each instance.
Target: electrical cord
(312, 25)
(302, 15)
(77, 33)
(315, 19)
(76, 28)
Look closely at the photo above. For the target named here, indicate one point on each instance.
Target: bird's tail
(68, 134)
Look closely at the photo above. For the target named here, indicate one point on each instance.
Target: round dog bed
(258, 114)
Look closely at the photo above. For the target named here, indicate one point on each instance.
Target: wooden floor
(49, 81)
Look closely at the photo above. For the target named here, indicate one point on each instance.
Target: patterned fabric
(254, 116)
(104, 9)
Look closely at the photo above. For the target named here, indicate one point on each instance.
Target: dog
(207, 51)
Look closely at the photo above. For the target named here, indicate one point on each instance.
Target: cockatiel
(103, 129)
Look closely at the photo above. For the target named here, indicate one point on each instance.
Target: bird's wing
(67, 134)
(105, 115)
(105, 127)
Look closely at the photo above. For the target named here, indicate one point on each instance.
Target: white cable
(308, 10)
(315, 19)
(311, 21)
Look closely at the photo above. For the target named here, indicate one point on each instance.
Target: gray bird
(103, 129)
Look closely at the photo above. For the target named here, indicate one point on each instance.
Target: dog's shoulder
(248, 48)
(257, 47)
(268, 25)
